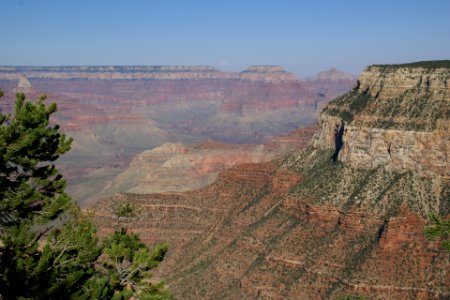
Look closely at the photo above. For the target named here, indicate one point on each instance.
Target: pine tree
(31, 189)
(40, 258)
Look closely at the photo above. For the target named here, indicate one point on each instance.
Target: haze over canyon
(114, 113)
(263, 187)
(225, 150)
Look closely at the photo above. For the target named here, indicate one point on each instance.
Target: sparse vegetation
(417, 108)
(430, 64)
(350, 297)
(124, 211)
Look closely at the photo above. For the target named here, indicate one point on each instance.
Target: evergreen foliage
(39, 260)
(31, 189)
(125, 210)
(439, 230)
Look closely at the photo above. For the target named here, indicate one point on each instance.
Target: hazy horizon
(303, 37)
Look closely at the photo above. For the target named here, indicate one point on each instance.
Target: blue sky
(303, 36)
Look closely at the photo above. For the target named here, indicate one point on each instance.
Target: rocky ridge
(263, 232)
(311, 226)
(144, 72)
(394, 117)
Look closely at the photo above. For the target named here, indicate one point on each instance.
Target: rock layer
(308, 227)
(175, 167)
(263, 232)
(395, 117)
(116, 112)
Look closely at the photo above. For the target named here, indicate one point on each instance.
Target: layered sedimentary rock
(396, 117)
(24, 86)
(314, 225)
(259, 231)
(175, 167)
(144, 72)
(328, 81)
(247, 107)
(115, 113)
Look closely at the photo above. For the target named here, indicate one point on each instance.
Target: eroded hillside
(343, 217)
(175, 167)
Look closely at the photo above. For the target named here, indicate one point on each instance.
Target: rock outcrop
(263, 232)
(269, 73)
(396, 117)
(24, 86)
(310, 226)
(145, 72)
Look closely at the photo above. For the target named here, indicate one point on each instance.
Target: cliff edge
(341, 219)
(395, 116)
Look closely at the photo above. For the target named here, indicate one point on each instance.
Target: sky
(304, 37)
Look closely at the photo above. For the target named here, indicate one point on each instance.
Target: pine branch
(38, 237)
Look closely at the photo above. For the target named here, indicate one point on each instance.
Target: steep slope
(322, 223)
(330, 81)
(397, 117)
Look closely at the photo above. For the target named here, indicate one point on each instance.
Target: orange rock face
(177, 167)
(247, 236)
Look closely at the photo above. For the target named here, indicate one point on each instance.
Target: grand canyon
(115, 113)
(215, 163)
(342, 218)
(331, 211)
(162, 150)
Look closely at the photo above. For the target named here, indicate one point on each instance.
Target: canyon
(180, 167)
(341, 218)
(114, 113)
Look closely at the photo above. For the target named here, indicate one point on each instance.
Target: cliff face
(328, 81)
(318, 231)
(389, 83)
(178, 167)
(200, 101)
(394, 117)
(320, 224)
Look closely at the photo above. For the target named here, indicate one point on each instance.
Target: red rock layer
(247, 237)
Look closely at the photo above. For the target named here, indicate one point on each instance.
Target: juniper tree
(38, 261)
(439, 229)
(124, 210)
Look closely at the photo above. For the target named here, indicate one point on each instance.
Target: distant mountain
(342, 218)
(116, 112)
